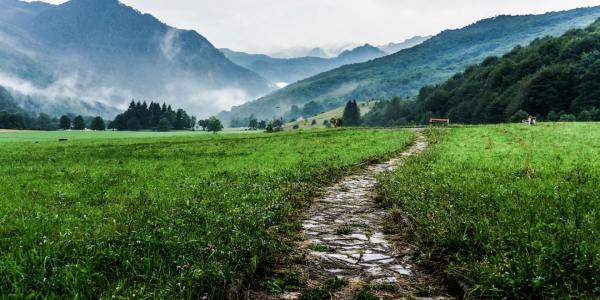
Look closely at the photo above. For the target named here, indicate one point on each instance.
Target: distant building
(438, 121)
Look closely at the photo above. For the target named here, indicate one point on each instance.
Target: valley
(139, 160)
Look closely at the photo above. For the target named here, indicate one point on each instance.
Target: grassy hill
(365, 107)
(406, 72)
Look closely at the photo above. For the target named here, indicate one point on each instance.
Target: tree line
(42, 121)
(554, 79)
(141, 116)
(138, 116)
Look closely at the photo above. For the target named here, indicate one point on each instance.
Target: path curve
(344, 234)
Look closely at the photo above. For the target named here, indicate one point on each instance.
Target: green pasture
(507, 210)
(161, 216)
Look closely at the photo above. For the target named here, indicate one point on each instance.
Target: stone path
(344, 233)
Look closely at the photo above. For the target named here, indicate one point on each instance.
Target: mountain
(289, 70)
(317, 52)
(392, 48)
(7, 103)
(550, 78)
(102, 52)
(406, 72)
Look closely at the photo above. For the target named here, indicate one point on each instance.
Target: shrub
(519, 116)
(568, 118)
(552, 116)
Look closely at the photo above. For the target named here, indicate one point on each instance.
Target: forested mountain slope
(406, 72)
(550, 78)
(104, 51)
(290, 70)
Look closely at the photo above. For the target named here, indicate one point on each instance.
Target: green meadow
(506, 211)
(40, 136)
(107, 215)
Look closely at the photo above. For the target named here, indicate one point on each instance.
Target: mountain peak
(366, 49)
(317, 52)
(93, 4)
(97, 2)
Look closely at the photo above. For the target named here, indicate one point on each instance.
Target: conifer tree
(98, 124)
(65, 123)
(78, 123)
(351, 115)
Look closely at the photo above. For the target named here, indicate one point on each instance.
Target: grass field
(172, 217)
(38, 136)
(365, 107)
(509, 210)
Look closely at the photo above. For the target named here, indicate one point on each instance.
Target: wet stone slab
(346, 221)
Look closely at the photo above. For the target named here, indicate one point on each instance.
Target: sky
(268, 26)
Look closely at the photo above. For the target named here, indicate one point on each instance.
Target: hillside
(404, 73)
(7, 103)
(104, 51)
(365, 107)
(549, 78)
(290, 70)
(392, 48)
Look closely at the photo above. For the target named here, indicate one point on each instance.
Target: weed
(344, 229)
(321, 248)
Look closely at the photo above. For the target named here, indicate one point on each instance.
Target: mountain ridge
(109, 53)
(552, 78)
(289, 70)
(392, 48)
(406, 72)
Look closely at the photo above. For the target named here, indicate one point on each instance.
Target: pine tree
(180, 122)
(351, 115)
(65, 123)
(98, 124)
(78, 123)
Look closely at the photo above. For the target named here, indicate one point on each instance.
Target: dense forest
(552, 78)
(141, 116)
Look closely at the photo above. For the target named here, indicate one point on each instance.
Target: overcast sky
(271, 25)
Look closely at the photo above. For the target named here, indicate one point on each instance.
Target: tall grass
(176, 217)
(509, 210)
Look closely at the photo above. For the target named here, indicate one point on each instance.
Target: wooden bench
(436, 121)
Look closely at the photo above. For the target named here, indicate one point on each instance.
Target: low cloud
(66, 90)
(169, 44)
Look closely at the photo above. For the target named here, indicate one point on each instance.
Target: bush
(552, 116)
(519, 116)
(568, 118)
(589, 115)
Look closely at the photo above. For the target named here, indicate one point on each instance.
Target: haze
(270, 26)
